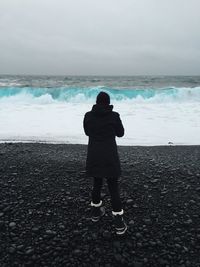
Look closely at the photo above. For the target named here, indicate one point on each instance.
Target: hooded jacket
(102, 125)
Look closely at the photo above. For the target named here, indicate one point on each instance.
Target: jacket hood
(102, 110)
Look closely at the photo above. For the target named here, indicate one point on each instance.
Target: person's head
(103, 99)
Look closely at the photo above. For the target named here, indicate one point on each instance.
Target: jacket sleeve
(119, 129)
(85, 127)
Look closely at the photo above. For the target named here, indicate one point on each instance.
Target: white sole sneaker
(96, 219)
(122, 230)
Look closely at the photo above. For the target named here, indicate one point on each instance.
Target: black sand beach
(44, 208)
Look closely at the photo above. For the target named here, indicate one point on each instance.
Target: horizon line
(100, 75)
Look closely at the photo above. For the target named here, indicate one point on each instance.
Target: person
(102, 125)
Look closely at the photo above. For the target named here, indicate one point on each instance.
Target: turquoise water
(79, 88)
(154, 110)
(89, 94)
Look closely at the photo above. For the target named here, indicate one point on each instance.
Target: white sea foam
(9, 84)
(146, 122)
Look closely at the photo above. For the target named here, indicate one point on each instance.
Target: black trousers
(113, 189)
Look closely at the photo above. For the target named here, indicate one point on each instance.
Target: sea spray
(78, 95)
(153, 111)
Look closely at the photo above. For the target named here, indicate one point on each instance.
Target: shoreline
(45, 211)
(81, 144)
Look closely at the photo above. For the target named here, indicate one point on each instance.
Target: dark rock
(188, 222)
(129, 201)
(77, 252)
(35, 229)
(12, 249)
(145, 260)
(138, 235)
(106, 234)
(147, 221)
(20, 247)
(131, 222)
(50, 208)
(6, 209)
(137, 264)
(2, 225)
(117, 244)
(118, 257)
(152, 243)
(154, 181)
(139, 244)
(29, 251)
(12, 224)
(163, 262)
(61, 227)
(50, 232)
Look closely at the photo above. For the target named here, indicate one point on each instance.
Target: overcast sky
(100, 37)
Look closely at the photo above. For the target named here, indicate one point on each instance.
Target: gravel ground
(45, 212)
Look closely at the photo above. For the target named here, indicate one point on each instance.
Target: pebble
(177, 246)
(139, 244)
(61, 227)
(19, 247)
(2, 225)
(153, 215)
(50, 232)
(188, 222)
(116, 244)
(163, 262)
(12, 224)
(138, 235)
(34, 257)
(98, 250)
(77, 251)
(118, 257)
(152, 243)
(169, 205)
(154, 181)
(106, 234)
(147, 221)
(129, 201)
(131, 222)
(29, 251)
(94, 236)
(35, 229)
(12, 250)
(137, 264)
(6, 209)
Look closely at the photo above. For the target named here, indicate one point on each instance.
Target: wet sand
(45, 212)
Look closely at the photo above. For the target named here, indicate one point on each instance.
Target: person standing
(102, 125)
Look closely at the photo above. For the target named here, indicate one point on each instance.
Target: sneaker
(97, 211)
(119, 224)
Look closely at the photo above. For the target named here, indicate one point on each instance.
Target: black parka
(102, 125)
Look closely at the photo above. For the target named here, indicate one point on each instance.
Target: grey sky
(100, 37)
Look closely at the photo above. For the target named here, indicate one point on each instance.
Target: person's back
(102, 125)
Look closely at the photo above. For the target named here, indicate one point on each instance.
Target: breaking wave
(79, 95)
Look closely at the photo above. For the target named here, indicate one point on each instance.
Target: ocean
(155, 110)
